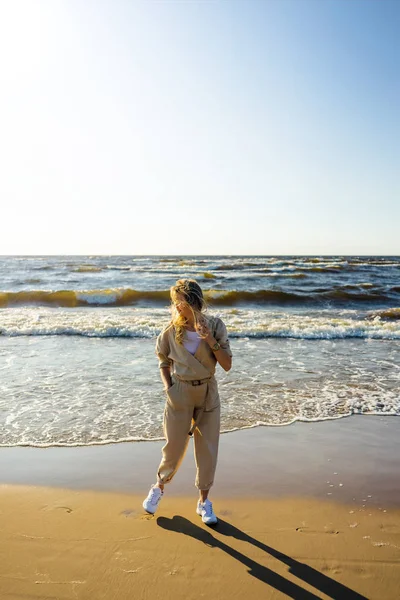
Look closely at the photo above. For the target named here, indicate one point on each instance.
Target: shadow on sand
(307, 574)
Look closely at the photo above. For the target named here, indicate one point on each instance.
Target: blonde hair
(193, 295)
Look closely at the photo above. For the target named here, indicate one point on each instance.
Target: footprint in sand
(129, 512)
(332, 569)
(331, 530)
(147, 517)
(326, 530)
(390, 528)
(66, 508)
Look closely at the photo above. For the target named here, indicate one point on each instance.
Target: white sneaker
(205, 510)
(150, 504)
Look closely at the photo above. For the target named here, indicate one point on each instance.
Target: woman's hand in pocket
(172, 383)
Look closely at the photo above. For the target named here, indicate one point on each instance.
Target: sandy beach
(306, 511)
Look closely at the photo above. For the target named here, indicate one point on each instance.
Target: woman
(188, 350)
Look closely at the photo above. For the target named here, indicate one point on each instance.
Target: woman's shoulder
(215, 321)
(166, 329)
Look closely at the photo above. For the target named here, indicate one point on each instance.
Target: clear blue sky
(200, 127)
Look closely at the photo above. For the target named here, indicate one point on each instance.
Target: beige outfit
(191, 408)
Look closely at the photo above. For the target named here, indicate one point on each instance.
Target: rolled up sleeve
(221, 335)
(162, 350)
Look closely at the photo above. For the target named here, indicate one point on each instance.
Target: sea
(313, 338)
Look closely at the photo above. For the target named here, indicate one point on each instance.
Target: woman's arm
(165, 373)
(224, 359)
(223, 354)
(164, 363)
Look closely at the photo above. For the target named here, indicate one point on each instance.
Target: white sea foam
(148, 322)
(66, 391)
(99, 298)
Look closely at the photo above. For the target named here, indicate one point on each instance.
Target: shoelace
(154, 497)
(207, 506)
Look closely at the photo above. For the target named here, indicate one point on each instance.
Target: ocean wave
(237, 266)
(343, 294)
(130, 297)
(269, 273)
(148, 322)
(281, 266)
(124, 268)
(86, 269)
(389, 314)
(44, 268)
(74, 298)
(322, 269)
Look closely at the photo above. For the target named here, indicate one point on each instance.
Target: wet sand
(361, 452)
(72, 525)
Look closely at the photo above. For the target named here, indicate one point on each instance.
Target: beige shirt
(187, 366)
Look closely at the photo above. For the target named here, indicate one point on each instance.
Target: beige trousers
(182, 405)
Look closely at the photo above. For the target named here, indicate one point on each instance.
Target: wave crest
(130, 297)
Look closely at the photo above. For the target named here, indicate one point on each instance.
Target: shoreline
(302, 459)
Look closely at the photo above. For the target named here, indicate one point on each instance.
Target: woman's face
(182, 307)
